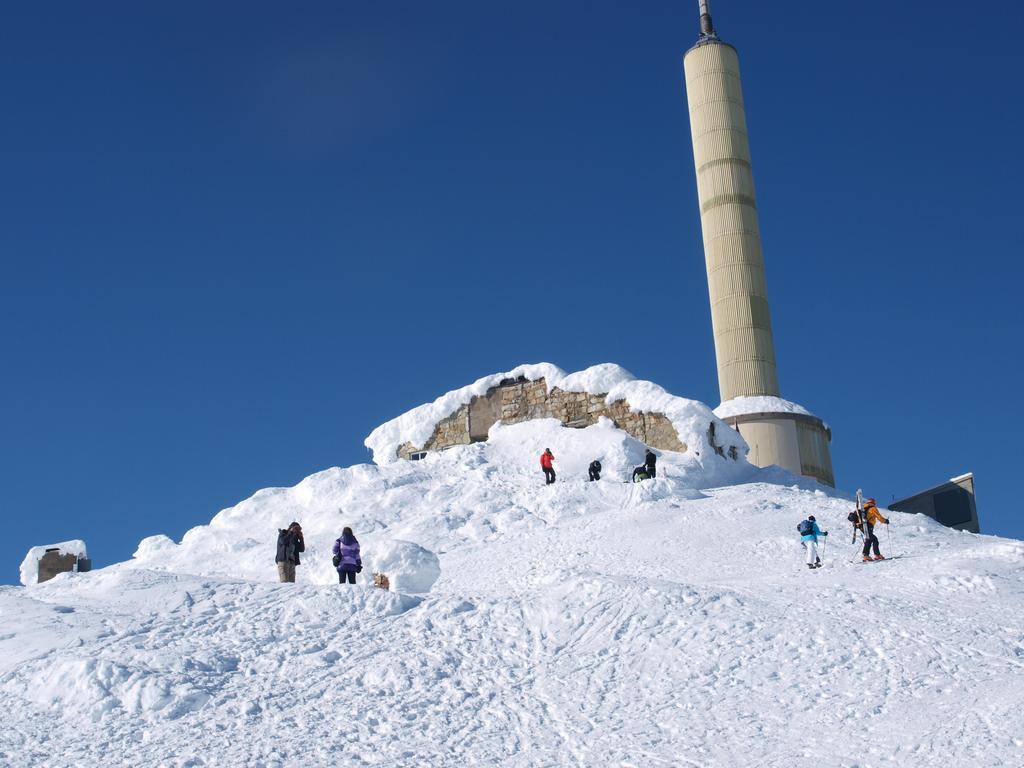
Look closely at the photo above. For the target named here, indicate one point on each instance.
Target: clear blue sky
(237, 236)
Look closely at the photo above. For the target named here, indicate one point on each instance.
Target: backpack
(337, 558)
(806, 528)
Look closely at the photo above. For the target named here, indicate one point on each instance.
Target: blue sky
(238, 236)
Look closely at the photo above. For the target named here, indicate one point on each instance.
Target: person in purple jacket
(346, 556)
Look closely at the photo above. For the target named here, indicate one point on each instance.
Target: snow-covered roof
(689, 417)
(743, 406)
(30, 565)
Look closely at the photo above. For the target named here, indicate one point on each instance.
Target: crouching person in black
(595, 470)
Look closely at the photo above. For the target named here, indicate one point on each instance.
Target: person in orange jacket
(545, 463)
(865, 521)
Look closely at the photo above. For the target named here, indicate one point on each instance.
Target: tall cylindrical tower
(728, 214)
(778, 432)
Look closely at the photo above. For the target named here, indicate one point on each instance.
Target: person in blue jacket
(809, 533)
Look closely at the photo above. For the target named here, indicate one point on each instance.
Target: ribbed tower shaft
(728, 214)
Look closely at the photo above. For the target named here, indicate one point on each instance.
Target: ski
(856, 522)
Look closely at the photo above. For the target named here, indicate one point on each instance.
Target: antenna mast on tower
(707, 27)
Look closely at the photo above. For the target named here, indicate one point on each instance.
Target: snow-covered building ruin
(642, 409)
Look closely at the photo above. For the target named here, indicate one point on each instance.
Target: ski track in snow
(595, 624)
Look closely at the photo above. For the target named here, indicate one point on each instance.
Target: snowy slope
(669, 623)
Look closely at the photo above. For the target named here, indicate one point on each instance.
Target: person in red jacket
(545, 462)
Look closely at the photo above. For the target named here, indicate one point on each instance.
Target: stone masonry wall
(451, 430)
(523, 400)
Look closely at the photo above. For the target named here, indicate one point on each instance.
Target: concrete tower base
(797, 442)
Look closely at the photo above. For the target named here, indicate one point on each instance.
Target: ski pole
(824, 541)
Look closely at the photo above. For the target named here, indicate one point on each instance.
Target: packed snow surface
(690, 417)
(743, 406)
(665, 623)
(29, 569)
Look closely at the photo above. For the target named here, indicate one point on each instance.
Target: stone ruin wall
(513, 402)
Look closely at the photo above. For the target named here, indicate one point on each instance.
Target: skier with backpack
(865, 520)
(809, 533)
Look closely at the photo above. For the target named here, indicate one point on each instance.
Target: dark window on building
(953, 507)
(417, 456)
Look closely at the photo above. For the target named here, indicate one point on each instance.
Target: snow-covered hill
(668, 623)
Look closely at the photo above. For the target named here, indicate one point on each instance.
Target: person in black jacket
(289, 544)
(650, 461)
(595, 469)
